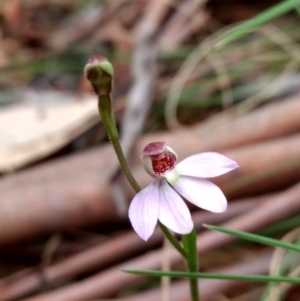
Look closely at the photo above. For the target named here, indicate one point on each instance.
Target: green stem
(189, 244)
(173, 240)
(109, 123)
(110, 126)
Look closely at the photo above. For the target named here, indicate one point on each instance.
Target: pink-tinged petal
(144, 209)
(154, 148)
(206, 165)
(201, 193)
(173, 212)
(147, 162)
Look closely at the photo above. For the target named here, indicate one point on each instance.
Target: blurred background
(64, 231)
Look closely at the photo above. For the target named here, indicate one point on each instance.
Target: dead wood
(94, 17)
(140, 98)
(178, 28)
(74, 191)
(266, 166)
(109, 282)
(276, 119)
(30, 280)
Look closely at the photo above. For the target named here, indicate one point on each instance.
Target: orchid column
(160, 202)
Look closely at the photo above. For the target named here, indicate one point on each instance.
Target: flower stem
(189, 244)
(173, 240)
(110, 126)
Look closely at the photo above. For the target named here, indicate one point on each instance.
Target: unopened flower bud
(100, 72)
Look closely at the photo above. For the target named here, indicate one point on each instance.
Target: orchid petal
(206, 165)
(144, 209)
(201, 193)
(154, 148)
(173, 212)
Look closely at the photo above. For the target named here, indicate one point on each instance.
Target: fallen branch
(108, 283)
(31, 280)
(74, 191)
(140, 98)
(274, 120)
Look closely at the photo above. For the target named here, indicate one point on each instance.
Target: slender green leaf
(285, 265)
(281, 227)
(260, 19)
(257, 278)
(256, 238)
(297, 8)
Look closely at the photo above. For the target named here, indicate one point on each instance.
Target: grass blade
(260, 19)
(256, 278)
(256, 238)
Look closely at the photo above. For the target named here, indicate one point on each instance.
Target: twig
(144, 71)
(165, 281)
(73, 190)
(103, 254)
(175, 30)
(111, 281)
